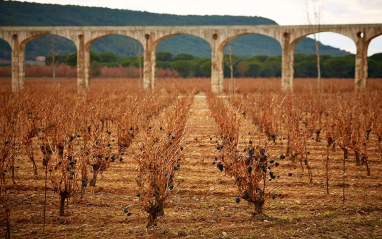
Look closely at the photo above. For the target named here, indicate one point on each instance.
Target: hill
(34, 14)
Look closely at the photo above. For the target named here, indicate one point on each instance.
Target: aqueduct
(216, 36)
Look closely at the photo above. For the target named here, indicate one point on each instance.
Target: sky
(284, 12)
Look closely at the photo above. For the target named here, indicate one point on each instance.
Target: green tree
(242, 68)
(127, 61)
(59, 59)
(95, 69)
(306, 68)
(205, 68)
(108, 57)
(299, 58)
(184, 56)
(197, 63)
(255, 69)
(164, 56)
(135, 62)
(374, 68)
(94, 57)
(261, 58)
(183, 67)
(163, 64)
(377, 57)
(267, 71)
(338, 67)
(71, 60)
(275, 63)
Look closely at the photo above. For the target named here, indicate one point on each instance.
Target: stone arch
(8, 38)
(6, 54)
(89, 40)
(4, 44)
(24, 42)
(372, 38)
(168, 35)
(375, 56)
(236, 35)
(252, 68)
(93, 38)
(199, 40)
(307, 33)
(305, 65)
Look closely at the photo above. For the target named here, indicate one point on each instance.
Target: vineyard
(119, 162)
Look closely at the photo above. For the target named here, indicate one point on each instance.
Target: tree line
(188, 65)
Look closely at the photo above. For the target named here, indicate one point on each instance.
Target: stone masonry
(216, 36)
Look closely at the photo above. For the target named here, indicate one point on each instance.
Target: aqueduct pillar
(217, 73)
(361, 63)
(149, 58)
(18, 60)
(287, 62)
(83, 64)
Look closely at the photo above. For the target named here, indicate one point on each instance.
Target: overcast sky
(284, 12)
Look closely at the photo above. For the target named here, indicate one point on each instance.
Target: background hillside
(33, 14)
